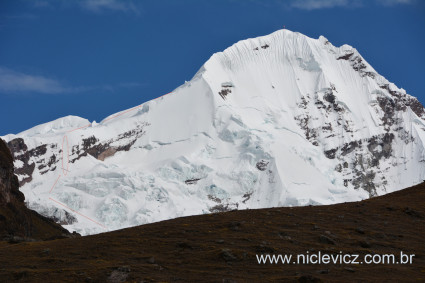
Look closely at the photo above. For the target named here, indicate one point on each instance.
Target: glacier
(278, 120)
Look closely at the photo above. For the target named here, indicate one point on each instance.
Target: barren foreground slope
(221, 247)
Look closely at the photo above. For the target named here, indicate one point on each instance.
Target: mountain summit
(278, 120)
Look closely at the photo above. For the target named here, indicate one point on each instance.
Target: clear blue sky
(92, 58)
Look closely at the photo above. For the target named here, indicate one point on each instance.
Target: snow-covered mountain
(278, 120)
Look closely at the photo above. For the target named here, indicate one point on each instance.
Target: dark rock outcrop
(9, 184)
(103, 149)
(17, 222)
(47, 157)
(43, 163)
(363, 163)
(356, 61)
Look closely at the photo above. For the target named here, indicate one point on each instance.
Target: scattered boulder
(326, 240)
(228, 256)
(119, 275)
(365, 244)
(151, 260)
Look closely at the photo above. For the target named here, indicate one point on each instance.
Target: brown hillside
(221, 247)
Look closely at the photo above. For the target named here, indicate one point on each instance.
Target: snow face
(279, 120)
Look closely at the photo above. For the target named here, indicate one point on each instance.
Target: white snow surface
(275, 81)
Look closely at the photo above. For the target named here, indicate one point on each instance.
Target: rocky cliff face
(17, 222)
(9, 185)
